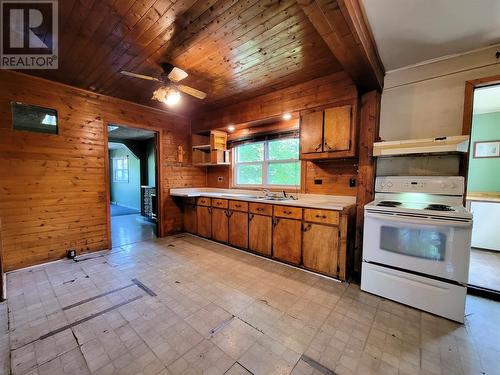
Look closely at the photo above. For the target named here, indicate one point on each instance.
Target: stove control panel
(420, 184)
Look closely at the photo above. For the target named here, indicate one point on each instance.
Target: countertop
(327, 202)
(483, 197)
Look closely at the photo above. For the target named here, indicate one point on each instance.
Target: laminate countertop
(325, 202)
(483, 197)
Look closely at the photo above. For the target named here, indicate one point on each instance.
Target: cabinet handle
(250, 217)
(317, 147)
(229, 213)
(276, 221)
(321, 216)
(237, 205)
(307, 228)
(260, 209)
(209, 210)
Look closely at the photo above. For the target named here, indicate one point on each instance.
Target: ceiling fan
(169, 92)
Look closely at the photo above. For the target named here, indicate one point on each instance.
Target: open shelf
(210, 149)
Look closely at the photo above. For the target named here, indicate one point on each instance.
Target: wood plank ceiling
(232, 49)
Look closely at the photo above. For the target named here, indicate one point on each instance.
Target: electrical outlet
(352, 182)
(318, 181)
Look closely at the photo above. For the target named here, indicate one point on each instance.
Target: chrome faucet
(266, 192)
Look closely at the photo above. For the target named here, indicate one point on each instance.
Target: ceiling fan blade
(141, 76)
(177, 74)
(193, 92)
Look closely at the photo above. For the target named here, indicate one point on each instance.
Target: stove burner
(388, 204)
(439, 207)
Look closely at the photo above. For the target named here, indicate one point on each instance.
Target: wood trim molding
(470, 86)
(343, 26)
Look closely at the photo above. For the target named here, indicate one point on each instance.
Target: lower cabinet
(287, 240)
(320, 246)
(190, 218)
(238, 229)
(260, 230)
(204, 221)
(219, 225)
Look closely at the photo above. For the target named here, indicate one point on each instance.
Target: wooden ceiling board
(232, 49)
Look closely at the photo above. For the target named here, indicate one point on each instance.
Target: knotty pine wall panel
(53, 188)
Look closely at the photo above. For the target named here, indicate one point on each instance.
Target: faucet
(266, 192)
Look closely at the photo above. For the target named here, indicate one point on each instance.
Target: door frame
(158, 157)
(470, 86)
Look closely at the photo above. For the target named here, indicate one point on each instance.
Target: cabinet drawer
(261, 209)
(203, 201)
(321, 216)
(238, 206)
(289, 212)
(219, 203)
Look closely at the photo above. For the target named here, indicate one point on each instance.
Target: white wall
(426, 101)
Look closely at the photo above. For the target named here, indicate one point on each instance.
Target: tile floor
(127, 229)
(221, 311)
(484, 269)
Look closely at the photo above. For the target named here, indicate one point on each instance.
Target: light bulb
(173, 97)
(287, 116)
(231, 128)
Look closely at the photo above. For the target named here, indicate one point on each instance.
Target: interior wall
(126, 193)
(428, 101)
(151, 162)
(325, 177)
(54, 186)
(484, 173)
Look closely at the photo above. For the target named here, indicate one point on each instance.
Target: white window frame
(265, 165)
(114, 162)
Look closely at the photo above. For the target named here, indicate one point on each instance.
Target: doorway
(483, 188)
(132, 184)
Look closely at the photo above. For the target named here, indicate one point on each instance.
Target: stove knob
(389, 184)
(443, 185)
(382, 184)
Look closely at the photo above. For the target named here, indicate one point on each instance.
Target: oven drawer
(437, 297)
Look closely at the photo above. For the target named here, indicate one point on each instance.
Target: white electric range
(416, 243)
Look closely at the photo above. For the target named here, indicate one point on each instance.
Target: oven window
(420, 243)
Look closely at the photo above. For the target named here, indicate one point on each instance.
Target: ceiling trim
(342, 25)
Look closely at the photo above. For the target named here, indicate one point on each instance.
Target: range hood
(438, 145)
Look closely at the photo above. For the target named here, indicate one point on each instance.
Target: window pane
(250, 174)
(118, 175)
(283, 173)
(33, 118)
(251, 152)
(283, 149)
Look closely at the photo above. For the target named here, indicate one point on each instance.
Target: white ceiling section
(487, 100)
(408, 32)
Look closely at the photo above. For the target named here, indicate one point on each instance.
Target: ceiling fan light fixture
(172, 98)
(168, 95)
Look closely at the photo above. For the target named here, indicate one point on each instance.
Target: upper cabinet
(328, 133)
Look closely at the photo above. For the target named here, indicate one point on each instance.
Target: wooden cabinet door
(204, 221)
(238, 229)
(260, 233)
(287, 240)
(219, 225)
(320, 248)
(337, 129)
(311, 132)
(190, 218)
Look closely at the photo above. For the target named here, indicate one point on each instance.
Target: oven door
(433, 246)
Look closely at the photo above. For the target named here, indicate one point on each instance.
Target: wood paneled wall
(315, 93)
(53, 188)
(321, 92)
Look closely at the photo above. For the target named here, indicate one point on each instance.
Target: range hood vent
(439, 145)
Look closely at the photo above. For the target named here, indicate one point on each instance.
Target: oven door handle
(420, 220)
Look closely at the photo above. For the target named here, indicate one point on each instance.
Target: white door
(432, 246)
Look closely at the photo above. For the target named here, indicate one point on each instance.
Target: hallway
(128, 229)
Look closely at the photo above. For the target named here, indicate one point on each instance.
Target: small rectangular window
(33, 118)
(120, 169)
